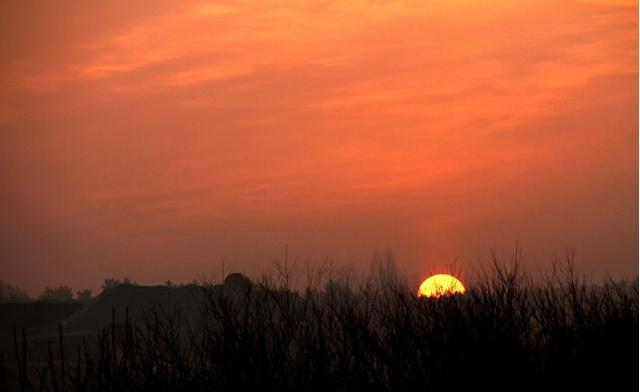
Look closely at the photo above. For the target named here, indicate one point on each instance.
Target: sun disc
(440, 285)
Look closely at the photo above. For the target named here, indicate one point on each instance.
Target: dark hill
(34, 315)
(138, 300)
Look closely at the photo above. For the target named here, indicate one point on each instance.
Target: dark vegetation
(508, 331)
(11, 295)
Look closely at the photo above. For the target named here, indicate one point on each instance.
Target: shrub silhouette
(508, 332)
(112, 283)
(84, 295)
(57, 294)
(11, 294)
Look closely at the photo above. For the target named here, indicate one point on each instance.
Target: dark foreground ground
(506, 333)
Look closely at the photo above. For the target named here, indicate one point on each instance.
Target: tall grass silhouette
(508, 331)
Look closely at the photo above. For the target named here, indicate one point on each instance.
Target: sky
(159, 139)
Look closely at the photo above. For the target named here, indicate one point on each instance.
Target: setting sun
(440, 285)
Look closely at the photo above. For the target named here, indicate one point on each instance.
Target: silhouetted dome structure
(237, 281)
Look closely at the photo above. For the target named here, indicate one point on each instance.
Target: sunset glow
(165, 137)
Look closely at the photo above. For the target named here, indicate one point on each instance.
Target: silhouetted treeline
(12, 294)
(508, 332)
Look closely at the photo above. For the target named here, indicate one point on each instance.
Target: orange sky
(155, 139)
